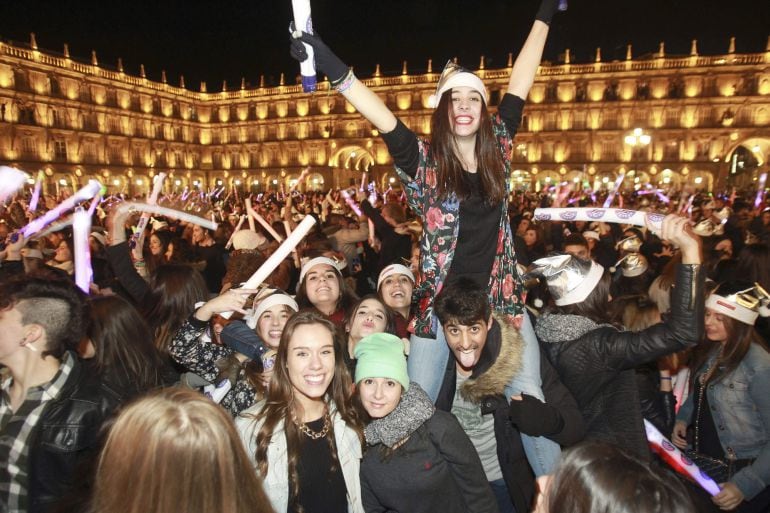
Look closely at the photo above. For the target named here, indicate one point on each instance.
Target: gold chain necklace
(313, 435)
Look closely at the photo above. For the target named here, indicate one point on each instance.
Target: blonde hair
(175, 450)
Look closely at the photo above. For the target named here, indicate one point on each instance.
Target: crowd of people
(430, 347)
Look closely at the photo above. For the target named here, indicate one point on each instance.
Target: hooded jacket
(596, 362)
(500, 361)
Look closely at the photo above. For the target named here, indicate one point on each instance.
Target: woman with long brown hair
(456, 181)
(305, 437)
(172, 451)
(729, 407)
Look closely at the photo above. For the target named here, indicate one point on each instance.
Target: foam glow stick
(249, 210)
(304, 22)
(252, 213)
(55, 227)
(605, 215)
(238, 227)
(36, 193)
(261, 220)
(11, 180)
(169, 212)
(760, 190)
(611, 197)
(152, 199)
(351, 202)
(295, 255)
(81, 229)
(87, 192)
(677, 460)
(280, 254)
(562, 5)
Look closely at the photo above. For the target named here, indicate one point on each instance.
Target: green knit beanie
(381, 355)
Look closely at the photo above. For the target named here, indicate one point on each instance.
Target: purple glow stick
(36, 193)
(81, 229)
(760, 190)
(562, 5)
(90, 190)
(611, 197)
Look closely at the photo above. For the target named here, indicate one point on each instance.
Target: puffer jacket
(596, 362)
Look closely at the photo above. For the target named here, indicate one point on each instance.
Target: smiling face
(466, 342)
(271, 322)
(369, 317)
(465, 114)
(715, 326)
(396, 291)
(323, 287)
(379, 396)
(310, 363)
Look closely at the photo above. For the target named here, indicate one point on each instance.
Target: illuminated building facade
(702, 120)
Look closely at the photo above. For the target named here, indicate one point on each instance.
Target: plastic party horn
(604, 215)
(303, 22)
(677, 460)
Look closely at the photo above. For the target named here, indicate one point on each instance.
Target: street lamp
(637, 139)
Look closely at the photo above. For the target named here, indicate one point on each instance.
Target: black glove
(547, 9)
(325, 60)
(535, 418)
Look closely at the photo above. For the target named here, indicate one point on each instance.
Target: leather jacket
(67, 436)
(596, 362)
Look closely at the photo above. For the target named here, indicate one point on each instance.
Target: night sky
(230, 39)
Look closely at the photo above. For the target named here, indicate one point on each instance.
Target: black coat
(499, 361)
(596, 362)
(67, 436)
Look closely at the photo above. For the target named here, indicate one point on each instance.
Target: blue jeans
(239, 337)
(502, 496)
(427, 363)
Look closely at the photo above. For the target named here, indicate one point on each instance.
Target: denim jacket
(740, 405)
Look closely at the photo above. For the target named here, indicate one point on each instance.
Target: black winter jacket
(596, 362)
(67, 436)
(499, 362)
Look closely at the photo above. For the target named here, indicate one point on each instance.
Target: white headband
(394, 269)
(460, 79)
(314, 262)
(268, 303)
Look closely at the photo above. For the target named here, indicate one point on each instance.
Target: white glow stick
(90, 190)
(55, 227)
(287, 227)
(304, 23)
(611, 197)
(248, 211)
(81, 230)
(604, 215)
(11, 180)
(280, 254)
(169, 212)
(152, 199)
(261, 220)
(238, 227)
(36, 193)
(677, 460)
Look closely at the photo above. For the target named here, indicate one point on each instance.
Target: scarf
(414, 408)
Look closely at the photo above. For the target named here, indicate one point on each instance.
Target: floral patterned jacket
(441, 227)
(200, 357)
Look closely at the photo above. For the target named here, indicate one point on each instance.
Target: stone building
(659, 119)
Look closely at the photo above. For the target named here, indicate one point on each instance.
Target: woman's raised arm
(528, 60)
(343, 80)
